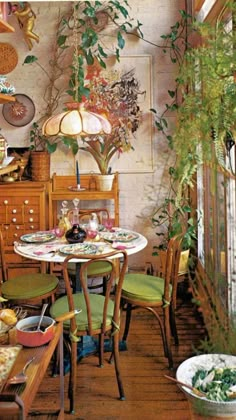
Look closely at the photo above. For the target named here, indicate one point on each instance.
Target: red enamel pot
(28, 336)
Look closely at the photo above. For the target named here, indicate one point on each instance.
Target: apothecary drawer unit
(23, 209)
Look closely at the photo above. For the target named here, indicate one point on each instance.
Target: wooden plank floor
(149, 395)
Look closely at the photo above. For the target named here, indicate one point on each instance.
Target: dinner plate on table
(38, 237)
(119, 236)
(80, 248)
(85, 226)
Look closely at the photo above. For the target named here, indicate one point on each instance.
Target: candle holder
(76, 188)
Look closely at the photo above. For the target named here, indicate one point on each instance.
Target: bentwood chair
(99, 269)
(100, 315)
(33, 288)
(155, 293)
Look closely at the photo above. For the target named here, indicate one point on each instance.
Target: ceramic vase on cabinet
(105, 182)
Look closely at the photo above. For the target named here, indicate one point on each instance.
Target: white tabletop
(50, 251)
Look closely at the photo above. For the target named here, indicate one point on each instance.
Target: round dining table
(55, 250)
(44, 246)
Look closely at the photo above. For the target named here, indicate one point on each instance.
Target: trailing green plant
(175, 45)
(38, 142)
(204, 98)
(174, 217)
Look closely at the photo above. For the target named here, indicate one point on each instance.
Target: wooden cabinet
(23, 209)
(28, 206)
(60, 190)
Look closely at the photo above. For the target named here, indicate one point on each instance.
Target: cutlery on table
(20, 378)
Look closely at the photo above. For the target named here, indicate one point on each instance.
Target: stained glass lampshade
(76, 121)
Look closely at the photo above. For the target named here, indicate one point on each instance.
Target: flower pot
(105, 182)
(40, 166)
(183, 263)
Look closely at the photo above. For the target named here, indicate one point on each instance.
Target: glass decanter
(75, 212)
(63, 220)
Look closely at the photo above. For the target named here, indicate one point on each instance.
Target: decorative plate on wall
(8, 58)
(19, 113)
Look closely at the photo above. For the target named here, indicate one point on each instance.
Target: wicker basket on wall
(40, 166)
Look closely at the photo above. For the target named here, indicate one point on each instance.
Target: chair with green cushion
(30, 288)
(153, 293)
(100, 314)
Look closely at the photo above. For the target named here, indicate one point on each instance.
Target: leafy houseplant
(39, 156)
(172, 218)
(83, 22)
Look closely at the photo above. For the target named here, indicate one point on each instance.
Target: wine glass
(108, 222)
(92, 227)
(59, 231)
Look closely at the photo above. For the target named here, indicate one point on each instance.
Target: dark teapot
(75, 235)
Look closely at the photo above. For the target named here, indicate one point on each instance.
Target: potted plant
(39, 155)
(174, 217)
(84, 21)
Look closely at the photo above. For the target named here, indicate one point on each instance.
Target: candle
(77, 173)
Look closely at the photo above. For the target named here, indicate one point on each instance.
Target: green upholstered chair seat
(29, 286)
(61, 306)
(95, 269)
(143, 287)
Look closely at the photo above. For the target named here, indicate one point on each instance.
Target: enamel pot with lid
(28, 336)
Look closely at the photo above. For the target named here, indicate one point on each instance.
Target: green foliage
(205, 84)
(38, 142)
(170, 220)
(91, 48)
(174, 217)
(30, 59)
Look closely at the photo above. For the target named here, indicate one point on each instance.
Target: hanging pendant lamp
(76, 121)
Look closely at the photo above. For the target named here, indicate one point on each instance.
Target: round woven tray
(8, 58)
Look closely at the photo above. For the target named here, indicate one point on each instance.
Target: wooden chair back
(111, 283)
(172, 267)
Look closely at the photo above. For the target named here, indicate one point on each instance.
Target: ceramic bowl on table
(28, 336)
(204, 406)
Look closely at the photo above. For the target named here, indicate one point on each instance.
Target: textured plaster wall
(140, 193)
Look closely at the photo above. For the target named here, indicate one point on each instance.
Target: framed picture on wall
(124, 90)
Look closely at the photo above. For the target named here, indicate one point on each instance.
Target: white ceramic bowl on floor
(203, 406)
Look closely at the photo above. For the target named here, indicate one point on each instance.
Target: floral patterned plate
(119, 236)
(38, 237)
(80, 248)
